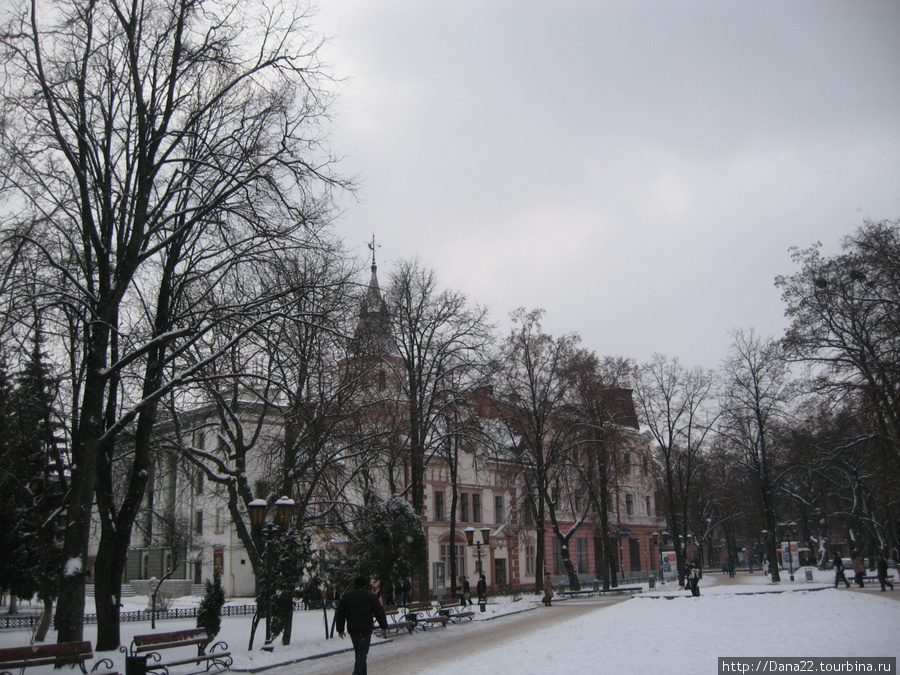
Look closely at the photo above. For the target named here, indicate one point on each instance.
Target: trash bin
(136, 665)
(652, 582)
(483, 605)
(809, 574)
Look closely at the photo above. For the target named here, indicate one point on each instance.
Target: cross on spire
(372, 246)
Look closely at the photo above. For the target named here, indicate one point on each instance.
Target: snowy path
(423, 651)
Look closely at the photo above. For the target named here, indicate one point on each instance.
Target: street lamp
(792, 530)
(485, 539)
(470, 541)
(258, 523)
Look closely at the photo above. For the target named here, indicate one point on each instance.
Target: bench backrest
(36, 655)
(418, 607)
(179, 638)
(449, 603)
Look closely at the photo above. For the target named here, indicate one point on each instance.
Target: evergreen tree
(32, 485)
(389, 541)
(209, 614)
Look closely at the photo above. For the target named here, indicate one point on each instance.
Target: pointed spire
(373, 329)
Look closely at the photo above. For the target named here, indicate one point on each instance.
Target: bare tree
(532, 395)
(281, 413)
(676, 405)
(152, 150)
(754, 416)
(437, 334)
(606, 423)
(845, 323)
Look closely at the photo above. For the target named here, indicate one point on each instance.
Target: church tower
(373, 330)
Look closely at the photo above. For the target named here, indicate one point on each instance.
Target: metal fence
(32, 620)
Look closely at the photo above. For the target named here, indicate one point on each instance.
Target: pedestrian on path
(358, 607)
(694, 580)
(839, 571)
(881, 566)
(548, 589)
(481, 587)
(859, 568)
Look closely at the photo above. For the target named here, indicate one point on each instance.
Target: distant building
(188, 517)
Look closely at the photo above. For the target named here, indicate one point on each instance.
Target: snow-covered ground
(666, 630)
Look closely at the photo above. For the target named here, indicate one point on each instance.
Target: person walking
(358, 607)
(481, 588)
(694, 580)
(881, 567)
(859, 568)
(731, 568)
(466, 592)
(839, 571)
(548, 590)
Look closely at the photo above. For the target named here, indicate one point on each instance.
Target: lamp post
(792, 532)
(258, 523)
(470, 541)
(485, 539)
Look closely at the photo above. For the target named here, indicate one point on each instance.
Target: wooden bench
(586, 592)
(452, 609)
(622, 589)
(59, 654)
(395, 624)
(420, 613)
(217, 656)
(871, 579)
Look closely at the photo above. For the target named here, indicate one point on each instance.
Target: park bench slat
(58, 654)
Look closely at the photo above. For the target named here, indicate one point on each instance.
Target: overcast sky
(638, 168)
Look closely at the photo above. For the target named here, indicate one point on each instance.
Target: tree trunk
(46, 621)
(109, 569)
(571, 572)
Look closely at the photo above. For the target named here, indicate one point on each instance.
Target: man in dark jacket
(358, 607)
(881, 566)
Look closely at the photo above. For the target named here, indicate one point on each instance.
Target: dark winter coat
(481, 587)
(358, 607)
(882, 568)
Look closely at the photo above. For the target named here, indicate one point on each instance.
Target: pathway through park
(410, 654)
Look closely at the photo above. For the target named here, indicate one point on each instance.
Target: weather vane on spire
(372, 246)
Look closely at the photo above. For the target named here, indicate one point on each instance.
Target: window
(476, 508)
(629, 505)
(438, 505)
(529, 559)
(649, 506)
(626, 463)
(645, 466)
(261, 489)
(527, 511)
(463, 507)
(199, 483)
(554, 495)
(460, 559)
(557, 557)
(382, 380)
(581, 555)
(634, 548)
(579, 504)
(220, 520)
(198, 522)
(499, 513)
